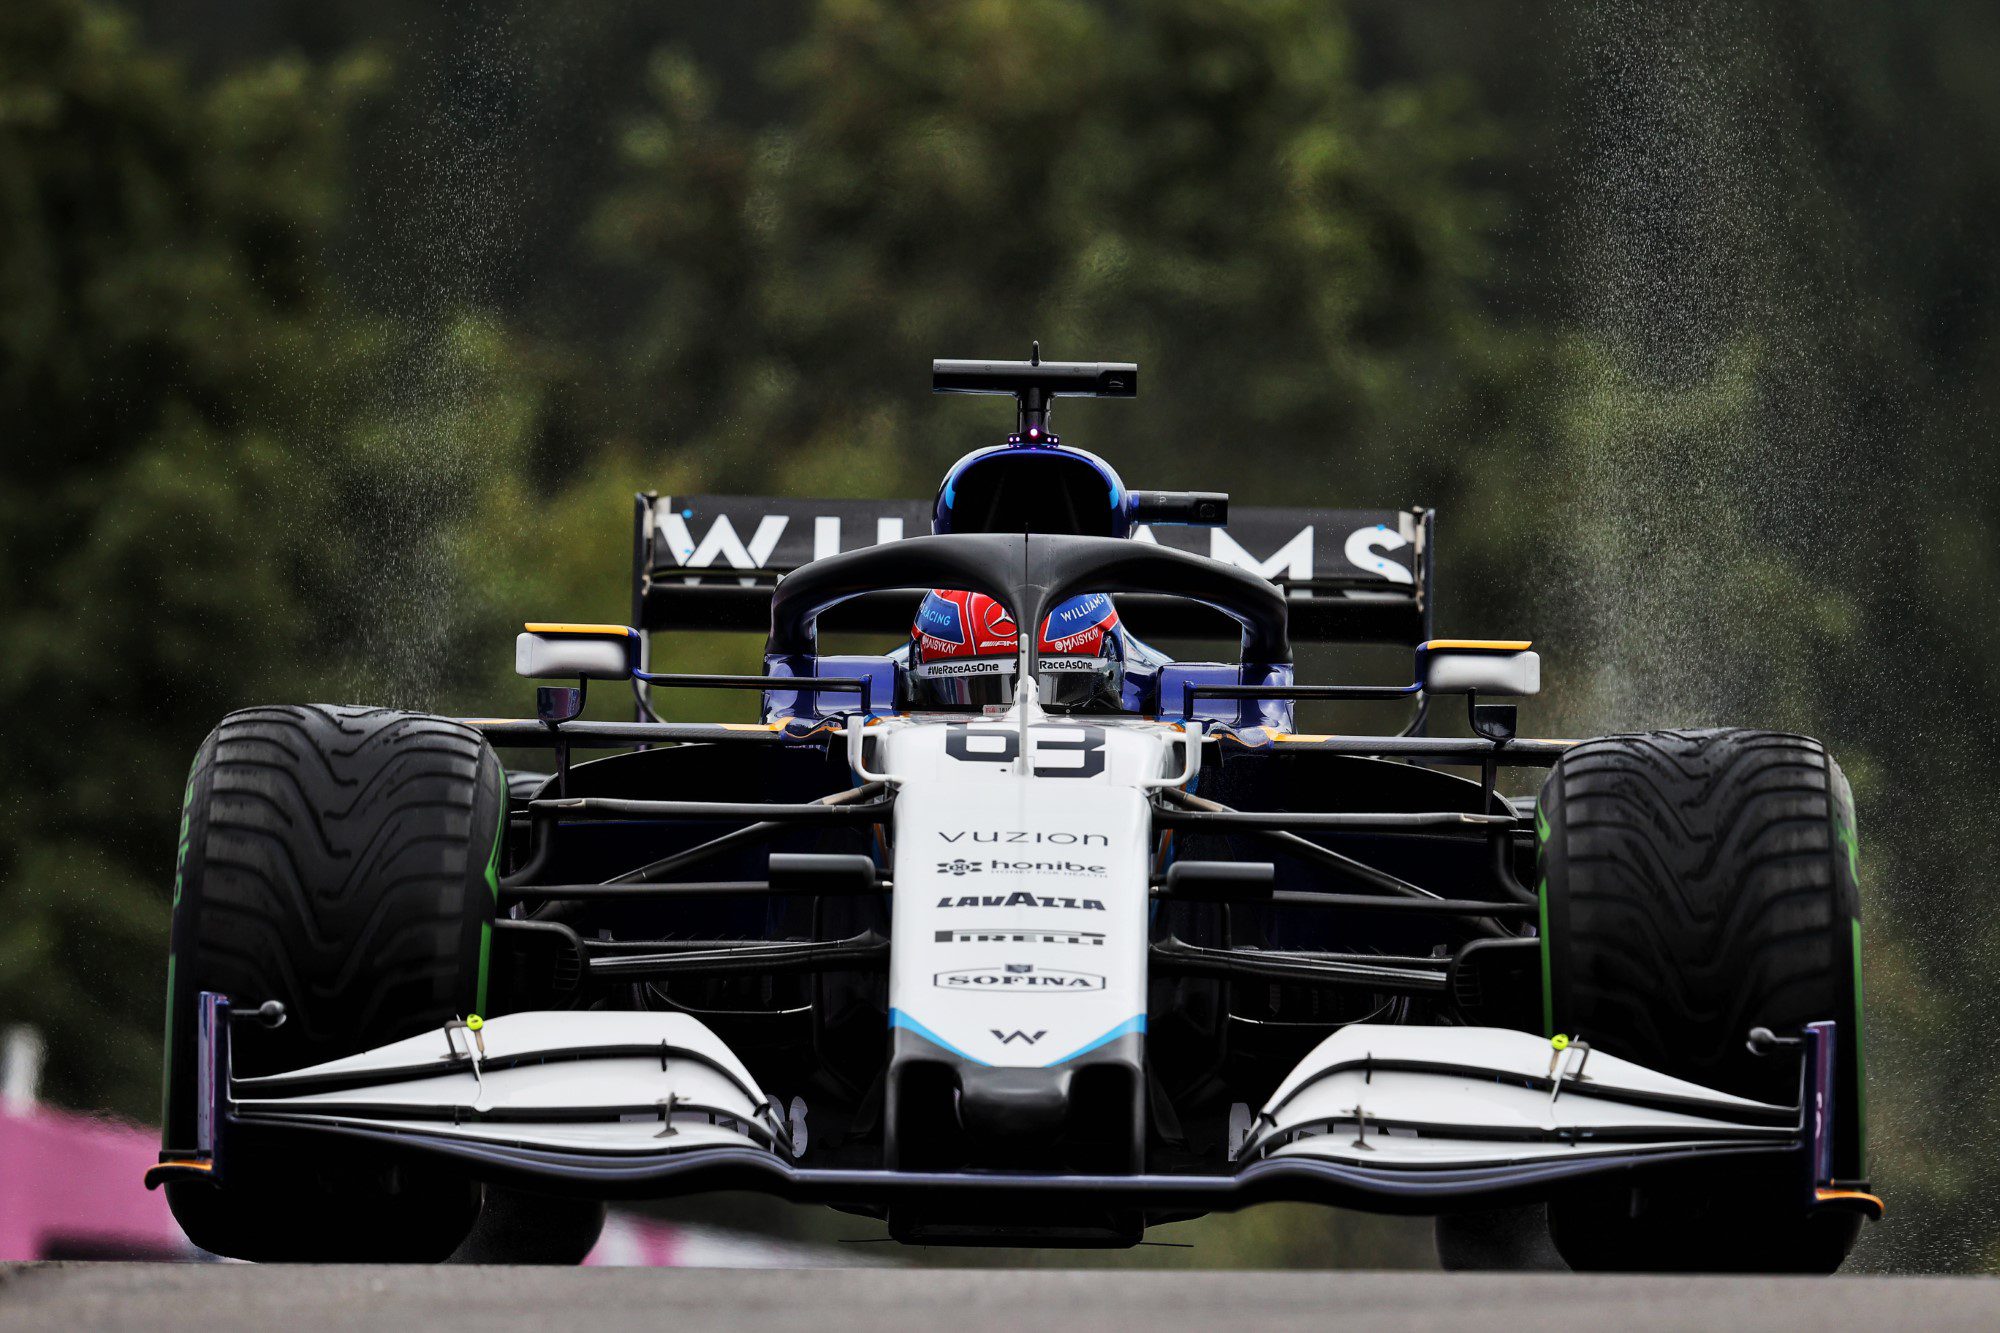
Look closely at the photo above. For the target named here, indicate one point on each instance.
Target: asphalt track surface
(218, 1298)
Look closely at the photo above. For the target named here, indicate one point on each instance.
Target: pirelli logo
(1019, 937)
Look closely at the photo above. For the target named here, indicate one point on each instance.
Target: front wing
(1389, 1119)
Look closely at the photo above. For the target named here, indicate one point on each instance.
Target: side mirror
(566, 652)
(1221, 881)
(1479, 666)
(1195, 509)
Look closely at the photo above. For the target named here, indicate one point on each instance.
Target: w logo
(1026, 1038)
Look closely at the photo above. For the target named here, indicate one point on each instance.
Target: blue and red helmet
(965, 653)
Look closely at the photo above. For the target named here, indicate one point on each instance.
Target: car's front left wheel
(344, 862)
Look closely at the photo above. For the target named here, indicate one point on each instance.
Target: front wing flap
(1418, 1098)
(634, 1105)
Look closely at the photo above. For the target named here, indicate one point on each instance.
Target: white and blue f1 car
(1022, 933)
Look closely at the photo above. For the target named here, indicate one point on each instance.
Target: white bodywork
(1022, 883)
(1472, 1108)
(637, 1096)
(1023, 853)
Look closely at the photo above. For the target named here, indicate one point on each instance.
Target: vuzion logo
(1021, 835)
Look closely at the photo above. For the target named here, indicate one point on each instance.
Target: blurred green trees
(320, 368)
(1203, 187)
(173, 364)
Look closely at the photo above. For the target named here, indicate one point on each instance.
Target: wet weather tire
(1500, 1240)
(518, 1227)
(340, 861)
(1697, 884)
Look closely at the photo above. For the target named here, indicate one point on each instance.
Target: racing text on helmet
(964, 654)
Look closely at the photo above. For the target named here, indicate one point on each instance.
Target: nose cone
(1014, 1108)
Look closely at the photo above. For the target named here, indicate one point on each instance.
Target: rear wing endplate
(1349, 575)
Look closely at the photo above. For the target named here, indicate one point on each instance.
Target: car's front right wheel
(1696, 885)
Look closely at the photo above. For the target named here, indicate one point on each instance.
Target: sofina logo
(1019, 978)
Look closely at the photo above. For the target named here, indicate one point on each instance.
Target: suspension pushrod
(1445, 823)
(1364, 902)
(583, 808)
(1346, 867)
(1516, 753)
(640, 890)
(815, 685)
(1168, 960)
(866, 950)
(542, 845)
(704, 851)
(1190, 691)
(586, 734)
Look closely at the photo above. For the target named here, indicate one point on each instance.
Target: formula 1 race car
(1023, 932)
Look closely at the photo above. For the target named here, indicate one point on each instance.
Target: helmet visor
(1079, 684)
(964, 682)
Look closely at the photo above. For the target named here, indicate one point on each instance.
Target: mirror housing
(1195, 509)
(1479, 666)
(1221, 881)
(823, 873)
(570, 652)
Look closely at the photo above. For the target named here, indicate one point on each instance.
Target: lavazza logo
(1019, 978)
(1021, 900)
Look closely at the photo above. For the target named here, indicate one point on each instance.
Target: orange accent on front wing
(160, 1173)
(1871, 1204)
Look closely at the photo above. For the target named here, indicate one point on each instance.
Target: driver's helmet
(965, 651)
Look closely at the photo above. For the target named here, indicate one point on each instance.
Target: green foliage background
(335, 336)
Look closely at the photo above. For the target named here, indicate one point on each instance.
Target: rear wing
(1349, 575)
